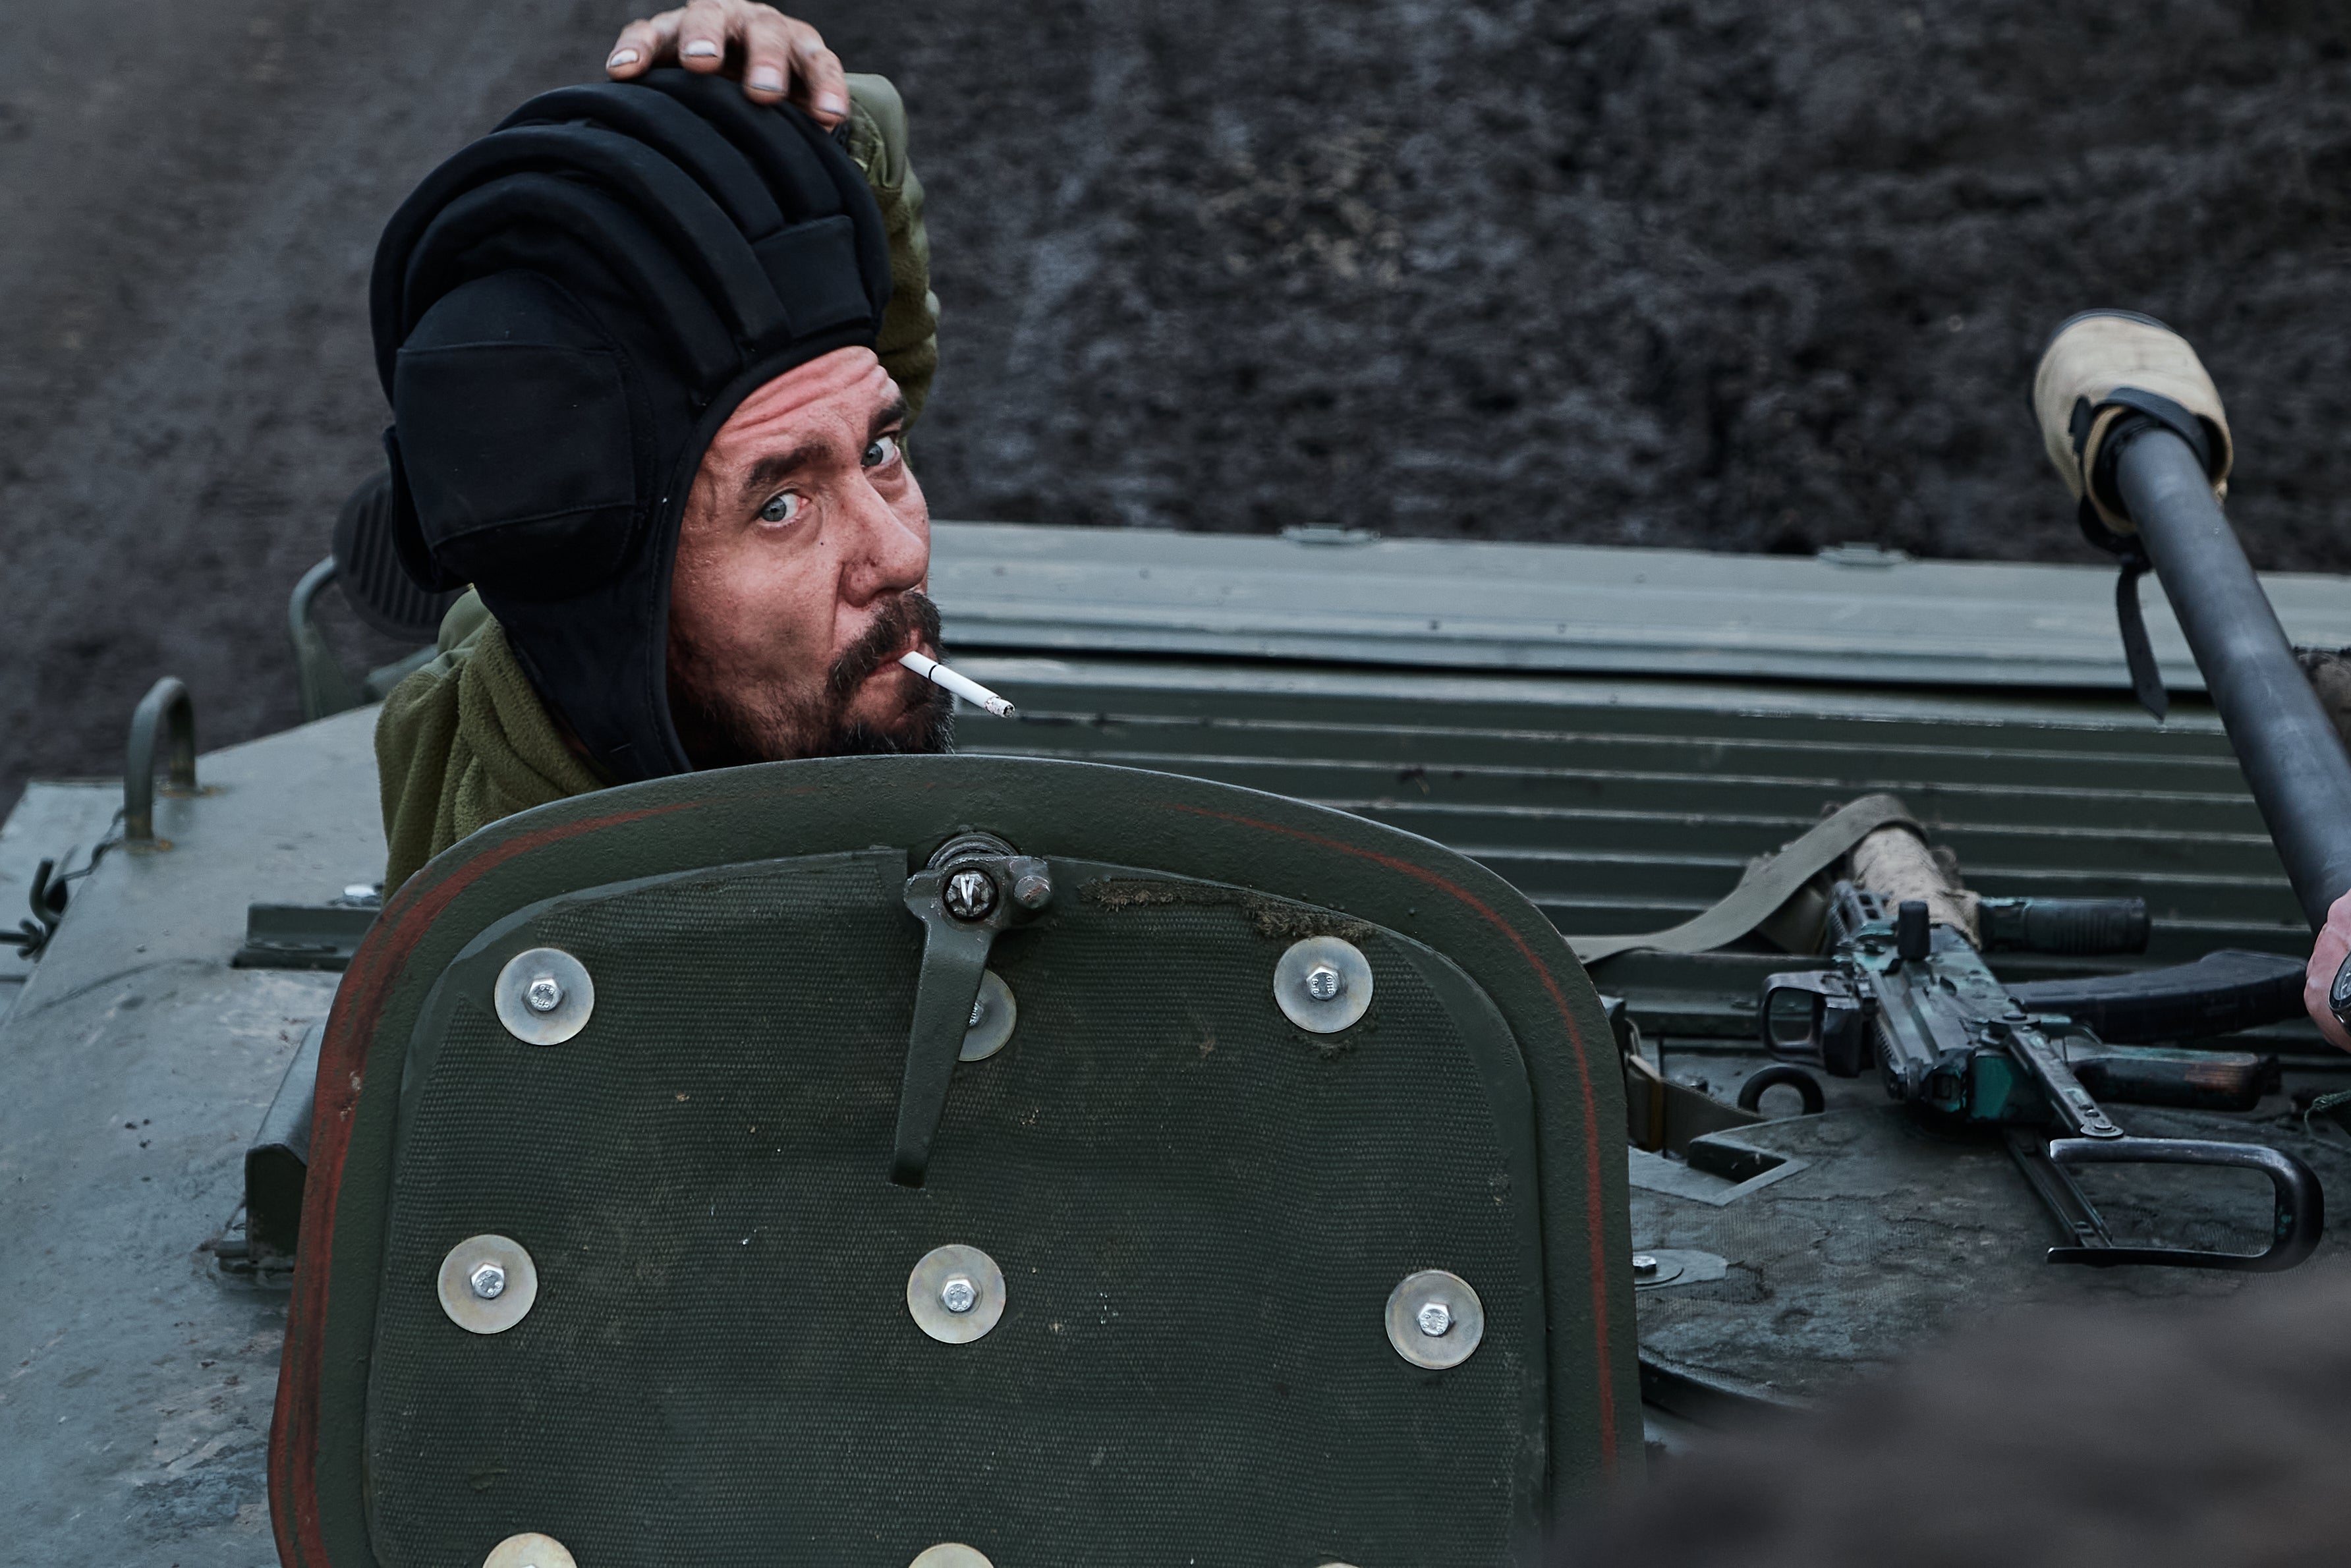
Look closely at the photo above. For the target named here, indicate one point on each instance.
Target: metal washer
(951, 1554)
(571, 1015)
(529, 1549)
(996, 1012)
(1455, 1344)
(941, 1264)
(1665, 1268)
(501, 1312)
(1682, 1266)
(1300, 1005)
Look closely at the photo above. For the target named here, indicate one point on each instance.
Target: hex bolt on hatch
(1435, 1319)
(488, 1284)
(1322, 984)
(955, 1294)
(970, 895)
(544, 996)
(1656, 1266)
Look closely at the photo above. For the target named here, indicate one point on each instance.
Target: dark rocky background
(1750, 274)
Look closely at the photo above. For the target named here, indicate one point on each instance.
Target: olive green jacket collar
(464, 741)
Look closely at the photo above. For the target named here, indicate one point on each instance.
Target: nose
(888, 550)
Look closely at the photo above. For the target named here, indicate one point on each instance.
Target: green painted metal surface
(1628, 805)
(134, 1071)
(1850, 616)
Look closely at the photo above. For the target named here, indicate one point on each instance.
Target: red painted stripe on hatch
(342, 1061)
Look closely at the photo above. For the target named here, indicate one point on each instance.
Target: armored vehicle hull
(1618, 734)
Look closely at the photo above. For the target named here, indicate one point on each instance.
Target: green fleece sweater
(466, 740)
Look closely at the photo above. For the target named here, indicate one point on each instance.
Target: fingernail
(766, 78)
(828, 104)
(620, 58)
(700, 49)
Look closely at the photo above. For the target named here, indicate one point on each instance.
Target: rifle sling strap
(1766, 886)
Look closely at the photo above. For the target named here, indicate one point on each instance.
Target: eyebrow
(769, 472)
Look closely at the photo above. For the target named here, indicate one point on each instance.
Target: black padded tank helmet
(565, 313)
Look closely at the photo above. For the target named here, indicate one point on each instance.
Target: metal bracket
(2071, 1102)
(302, 936)
(975, 886)
(1719, 1170)
(276, 1163)
(1663, 1116)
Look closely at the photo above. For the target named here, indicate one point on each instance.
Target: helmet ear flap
(407, 532)
(526, 476)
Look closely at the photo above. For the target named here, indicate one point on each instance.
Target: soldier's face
(800, 563)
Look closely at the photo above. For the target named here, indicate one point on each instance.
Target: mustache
(881, 643)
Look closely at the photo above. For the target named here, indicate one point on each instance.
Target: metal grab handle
(325, 689)
(166, 701)
(2299, 1221)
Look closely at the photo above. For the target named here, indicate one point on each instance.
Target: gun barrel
(2291, 757)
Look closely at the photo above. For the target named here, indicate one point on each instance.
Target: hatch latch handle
(974, 887)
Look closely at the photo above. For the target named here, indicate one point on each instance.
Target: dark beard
(731, 728)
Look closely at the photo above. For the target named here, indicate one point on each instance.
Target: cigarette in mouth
(963, 686)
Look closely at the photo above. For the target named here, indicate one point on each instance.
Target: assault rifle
(1912, 995)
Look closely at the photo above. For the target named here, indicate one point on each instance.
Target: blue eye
(883, 450)
(781, 508)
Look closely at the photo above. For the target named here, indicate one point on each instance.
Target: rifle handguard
(1894, 863)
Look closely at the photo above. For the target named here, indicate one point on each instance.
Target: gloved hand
(2327, 957)
(774, 56)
